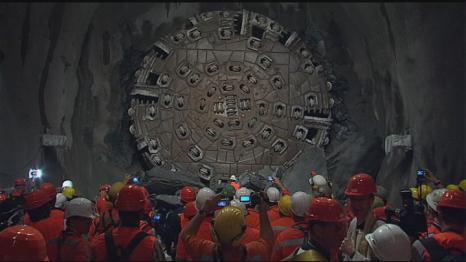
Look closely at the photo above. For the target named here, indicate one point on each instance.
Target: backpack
(115, 253)
(439, 253)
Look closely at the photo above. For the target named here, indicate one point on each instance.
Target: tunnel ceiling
(230, 93)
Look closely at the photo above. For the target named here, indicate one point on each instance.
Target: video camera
(410, 217)
(253, 199)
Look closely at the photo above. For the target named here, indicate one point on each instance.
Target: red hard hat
(190, 209)
(147, 203)
(105, 187)
(50, 190)
(361, 185)
(36, 199)
(453, 198)
(325, 210)
(130, 199)
(20, 182)
(22, 243)
(188, 194)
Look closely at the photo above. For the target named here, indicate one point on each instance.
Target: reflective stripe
(292, 242)
(279, 228)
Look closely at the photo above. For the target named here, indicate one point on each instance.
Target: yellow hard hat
(462, 184)
(414, 193)
(452, 186)
(378, 202)
(229, 225)
(69, 192)
(114, 190)
(284, 205)
(424, 189)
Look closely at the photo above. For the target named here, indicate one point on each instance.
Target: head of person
(114, 191)
(300, 203)
(37, 205)
(360, 191)
(432, 200)
(228, 226)
(51, 191)
(326, 217)
(20, 184)
(130, 204)
(273, 195)
(103, 190)
(202, 196)
(284, 205)
(389, 243)
(318, 184)
(79, 213)
(187, 194)
(69, 192)
(190, 210)
(243, 191)
(229, 191)
(67, 183)
(452, 211)
(22, 243)
(240, 205)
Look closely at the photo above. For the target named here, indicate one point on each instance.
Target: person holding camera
(361, 192)
(450, 243)
(326, 228)
(228, 230)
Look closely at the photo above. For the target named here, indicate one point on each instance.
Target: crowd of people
(235, 223)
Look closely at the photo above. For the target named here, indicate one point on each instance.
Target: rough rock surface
(66, 68)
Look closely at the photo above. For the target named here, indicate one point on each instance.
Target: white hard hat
(202, 196)
(241, 205)
(300, 203)
(67, 183)
(60, 200)
(244, 191)
(434, 197)
(233, 177)
(317, 180)
(80, 207)
(390, 242)
(273, 194)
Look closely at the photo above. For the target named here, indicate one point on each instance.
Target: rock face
(67, 69)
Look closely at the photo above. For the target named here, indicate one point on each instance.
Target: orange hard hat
(453, 198)
(190, 209)
(20, 182)
(22, 243)
(105, 187)
(50, 190)
(130, 199)
(36, 199)
(361, 184)
(187, 194)
(325, 210)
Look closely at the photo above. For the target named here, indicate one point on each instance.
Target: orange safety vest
(50, 228)
(452, 242)
(69, 247)
(122, 236)
(274, 213)
(252, 218)
(204, 232)
(286, 242)
(282, 224)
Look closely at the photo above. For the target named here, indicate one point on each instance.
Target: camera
(135, 180)
(245, 199)
(156, 217)
(35, 173)
(270, 179)
(421, 173)
(410, 217)
(223, 203)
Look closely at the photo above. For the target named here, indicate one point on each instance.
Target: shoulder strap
(110, 245)
(436, 251)
(133, 244)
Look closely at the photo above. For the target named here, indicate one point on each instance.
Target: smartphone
(136, 180)
(156, 217)
(245, 199)
(35, 173)
(222, 203)
(270, 178)
(421, 173)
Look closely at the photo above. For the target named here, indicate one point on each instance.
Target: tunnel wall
(66, 69)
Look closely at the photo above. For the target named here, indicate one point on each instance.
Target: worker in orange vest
(205, 228)
(109, 217)
(450, 243)
(38, 208)
(299, 205)
(102, 204)
(325, 230)
(51, 192)
(22, 243)
(228, 229)
(127, 241)
(273, 196)
(71, 244)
